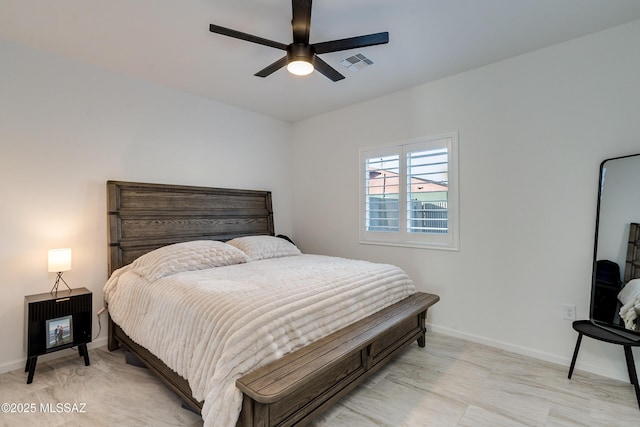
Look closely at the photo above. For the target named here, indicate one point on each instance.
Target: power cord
(102, 310)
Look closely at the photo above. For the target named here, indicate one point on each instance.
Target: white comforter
(213, 326)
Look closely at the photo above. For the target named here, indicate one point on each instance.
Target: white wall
(533, 131)
(66, 128)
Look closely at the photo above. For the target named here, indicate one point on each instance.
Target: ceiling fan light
(300, 67)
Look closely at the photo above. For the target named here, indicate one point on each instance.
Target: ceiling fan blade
(270, 69)
(244, 36)
(301, 20)
(352, 43)
(326, 69)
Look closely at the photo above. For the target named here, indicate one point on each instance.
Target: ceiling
(168, 42)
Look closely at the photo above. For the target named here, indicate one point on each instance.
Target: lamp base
(54, 290)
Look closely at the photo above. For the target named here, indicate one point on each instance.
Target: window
(409, 193)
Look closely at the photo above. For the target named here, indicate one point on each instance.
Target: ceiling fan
(302, 58)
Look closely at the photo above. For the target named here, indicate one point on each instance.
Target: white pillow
(264, 247)
(187, 256)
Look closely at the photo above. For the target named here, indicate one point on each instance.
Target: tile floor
(451, 382)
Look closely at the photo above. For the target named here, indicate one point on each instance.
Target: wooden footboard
(296, 388)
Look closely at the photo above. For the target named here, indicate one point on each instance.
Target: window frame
(445, 241)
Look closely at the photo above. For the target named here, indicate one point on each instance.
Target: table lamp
(59, 261)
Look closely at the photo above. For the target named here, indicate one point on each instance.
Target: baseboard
(536, 354)
(19, 364)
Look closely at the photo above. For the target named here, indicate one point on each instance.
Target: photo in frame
(59, 331)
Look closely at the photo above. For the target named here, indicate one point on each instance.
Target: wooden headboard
(632, 265)
(143, 217)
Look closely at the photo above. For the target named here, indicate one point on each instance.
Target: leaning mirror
(615, 293)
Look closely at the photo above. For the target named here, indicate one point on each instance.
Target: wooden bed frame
(289, 391)
(632, 264)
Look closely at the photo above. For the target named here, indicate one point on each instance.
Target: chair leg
(631, 367)
(575, 355)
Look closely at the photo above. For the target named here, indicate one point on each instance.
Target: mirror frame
(616, 329)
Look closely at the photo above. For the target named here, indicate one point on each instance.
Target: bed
(289, 390)
(629, 296)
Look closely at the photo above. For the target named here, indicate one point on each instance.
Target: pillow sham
(264, 247)
(187, 256)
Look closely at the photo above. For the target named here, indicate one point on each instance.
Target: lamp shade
(59, 260)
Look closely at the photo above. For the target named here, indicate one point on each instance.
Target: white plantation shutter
(409, 193)
(427, 191)
(382, 178)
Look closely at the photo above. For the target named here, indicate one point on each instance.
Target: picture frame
(59, 331)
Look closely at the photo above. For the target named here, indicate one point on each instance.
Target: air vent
(356, 62)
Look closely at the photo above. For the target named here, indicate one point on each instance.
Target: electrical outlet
(569, 312)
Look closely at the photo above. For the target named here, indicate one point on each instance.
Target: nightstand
(57, 321)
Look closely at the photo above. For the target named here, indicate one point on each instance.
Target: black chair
(613, 336)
